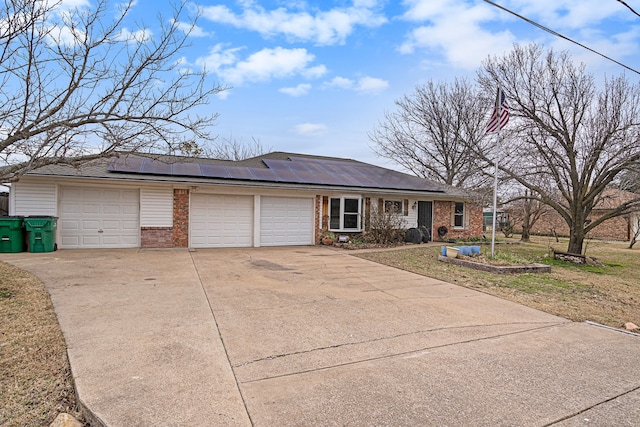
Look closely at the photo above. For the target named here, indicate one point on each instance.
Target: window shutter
(367, 213)
(380, 206)
(405, 204)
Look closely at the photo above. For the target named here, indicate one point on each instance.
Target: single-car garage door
(286, 221)
(221, 221)
(99, 218)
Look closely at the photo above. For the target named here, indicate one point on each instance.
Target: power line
(550, 31)
(630, 8)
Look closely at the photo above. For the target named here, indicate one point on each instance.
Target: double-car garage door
(228, 221)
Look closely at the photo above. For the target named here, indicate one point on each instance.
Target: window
(344, 213)
(458, 215)
(393, 206)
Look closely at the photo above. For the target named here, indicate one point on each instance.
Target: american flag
(503, 108)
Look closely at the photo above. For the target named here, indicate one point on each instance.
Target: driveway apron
(313, 336)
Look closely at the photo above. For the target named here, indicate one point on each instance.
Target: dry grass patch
(608, 294)
(35, 380)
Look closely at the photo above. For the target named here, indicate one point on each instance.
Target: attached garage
(99, 217)
(218, 221)
(286, 221)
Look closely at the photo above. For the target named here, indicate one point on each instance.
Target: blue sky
(316, 77)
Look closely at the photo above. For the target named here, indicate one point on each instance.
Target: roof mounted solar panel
(264, 175)
(186, 169)
(296, 170)
(214, 171)
(155, 167)
(126, 164)
(240, 172)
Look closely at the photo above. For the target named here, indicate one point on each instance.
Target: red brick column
(441, 216)
(180, 218)
(318, 218)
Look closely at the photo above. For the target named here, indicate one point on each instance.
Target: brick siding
(180, 218)
(442, 215)
(319, 226)
(156, 237)
(614, 228)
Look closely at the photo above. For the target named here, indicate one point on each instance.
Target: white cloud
(321, 27)
(192, 30)
(568, 13)
(465, 32)
(138, 36)
(72, 4)
(310, 129)
(218, 58)
(264, 65)
(340, 82)
(299, 90)
(456, 30)
(371, 85)
(363, 84)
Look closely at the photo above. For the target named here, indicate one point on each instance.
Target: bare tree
(526, 211)
(233, 149)
(634, 224)
(431, 132)
(630, 179)
(77, 84)
(570, 131)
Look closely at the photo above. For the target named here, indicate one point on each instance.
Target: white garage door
(286, 221)
(221, 221)
(99, 218)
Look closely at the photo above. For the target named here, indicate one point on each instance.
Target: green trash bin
(11, 234)
(41, 233)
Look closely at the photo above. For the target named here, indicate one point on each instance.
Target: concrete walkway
(312, 336)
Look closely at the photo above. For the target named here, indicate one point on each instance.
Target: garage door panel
(286, 221)
(111, 225)
(90, 208)
(90, 241)
(99, 218)
(90, 224)
(221, 221)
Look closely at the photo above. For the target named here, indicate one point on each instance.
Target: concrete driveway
(311, 336)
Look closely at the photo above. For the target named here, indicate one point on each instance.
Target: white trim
(359, 214)
(464, 216)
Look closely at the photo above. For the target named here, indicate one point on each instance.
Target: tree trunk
(576, 238)
(526, 222)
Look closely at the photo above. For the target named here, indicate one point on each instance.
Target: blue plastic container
(475, 250)
(443, 250)
(464, 250)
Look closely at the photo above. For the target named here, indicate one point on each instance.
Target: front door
(425, 216)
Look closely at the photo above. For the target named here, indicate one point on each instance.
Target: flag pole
(495, 203)
(495, 176)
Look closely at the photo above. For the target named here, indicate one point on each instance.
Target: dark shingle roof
(277, 167)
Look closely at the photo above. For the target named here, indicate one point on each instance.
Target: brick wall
(318, 219)
(442, 215)
(156, 237)
(180, 218)
(614, 228)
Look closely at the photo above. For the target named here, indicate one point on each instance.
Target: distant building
(502, 219)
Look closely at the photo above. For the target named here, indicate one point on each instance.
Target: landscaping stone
(497, 269)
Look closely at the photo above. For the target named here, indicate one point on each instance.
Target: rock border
(497, 269)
